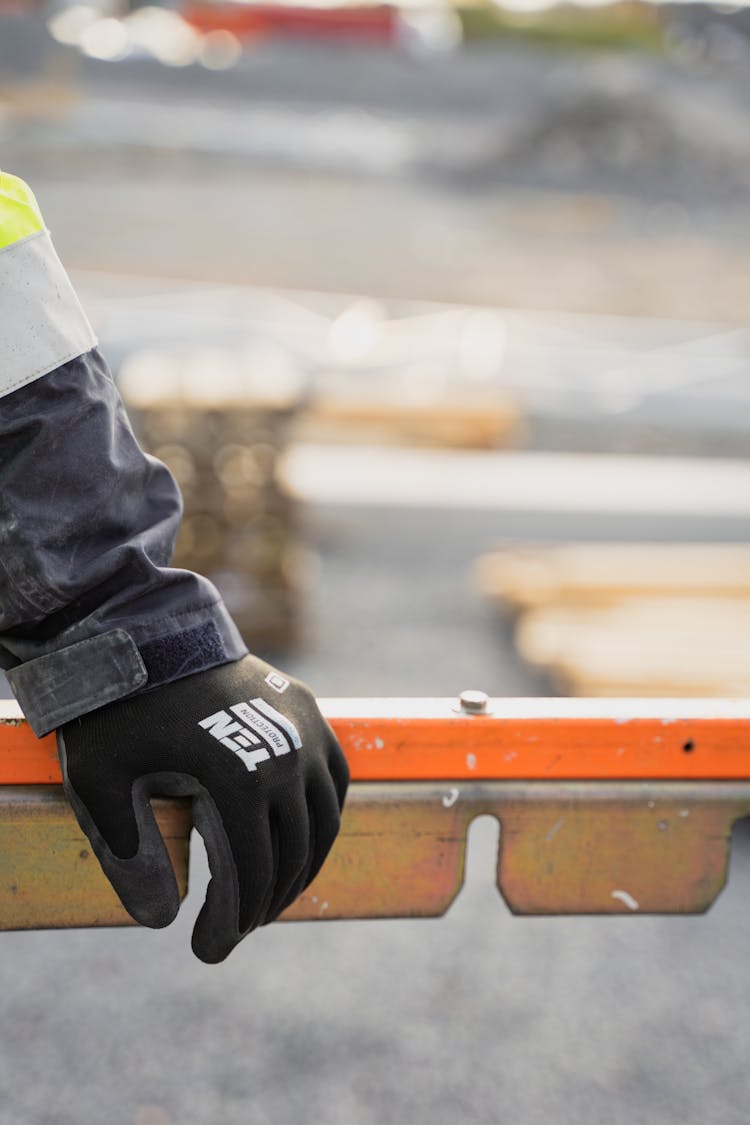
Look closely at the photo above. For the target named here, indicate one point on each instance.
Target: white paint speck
(471, 761)
(323, 908)
(555, 829)
(652, 804)
(450, 798)
(626, 899)
(684, 812)
(379, 744)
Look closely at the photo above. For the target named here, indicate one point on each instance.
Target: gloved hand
(266, 775)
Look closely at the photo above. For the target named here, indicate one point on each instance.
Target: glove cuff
(63, 685)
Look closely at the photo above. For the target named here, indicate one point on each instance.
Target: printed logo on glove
(260, 725)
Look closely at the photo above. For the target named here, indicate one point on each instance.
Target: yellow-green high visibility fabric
(19, 211)
(42, 324)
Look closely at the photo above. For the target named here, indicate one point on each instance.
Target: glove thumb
(122, 830)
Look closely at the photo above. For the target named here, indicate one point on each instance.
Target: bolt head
(473, 702)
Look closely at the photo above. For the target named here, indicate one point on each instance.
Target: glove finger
(325, 809)
(143, 880)
(303, 878)
(339, 770)
(237, 893)
(294, 843)
(324, 816)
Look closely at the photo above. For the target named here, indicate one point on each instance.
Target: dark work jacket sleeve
(90, 610)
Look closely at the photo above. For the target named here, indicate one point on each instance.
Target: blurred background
(439, 314)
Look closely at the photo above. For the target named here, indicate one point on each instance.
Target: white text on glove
(254, 731)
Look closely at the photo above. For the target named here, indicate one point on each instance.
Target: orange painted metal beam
(516, 740)
(24, 759)
(545, 739)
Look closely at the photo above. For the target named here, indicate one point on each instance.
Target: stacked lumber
(628, 619)
(412, 375)
(475, 421)
(220, 420)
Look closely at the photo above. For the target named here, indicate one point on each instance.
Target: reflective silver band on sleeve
(42, 324)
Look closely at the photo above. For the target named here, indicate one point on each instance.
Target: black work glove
(266, 775)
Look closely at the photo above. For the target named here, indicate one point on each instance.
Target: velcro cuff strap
(43, 323)
(62, 685)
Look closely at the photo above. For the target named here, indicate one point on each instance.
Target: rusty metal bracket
(605, 807)
(49, 877)
(565, 847)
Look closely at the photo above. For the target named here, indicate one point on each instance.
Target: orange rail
(516, 739)
(376, 23)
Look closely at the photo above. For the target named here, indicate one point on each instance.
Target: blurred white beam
(534, 482)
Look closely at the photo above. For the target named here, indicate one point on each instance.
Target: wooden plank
(603, 573)
(471, 422)
(658, 647)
